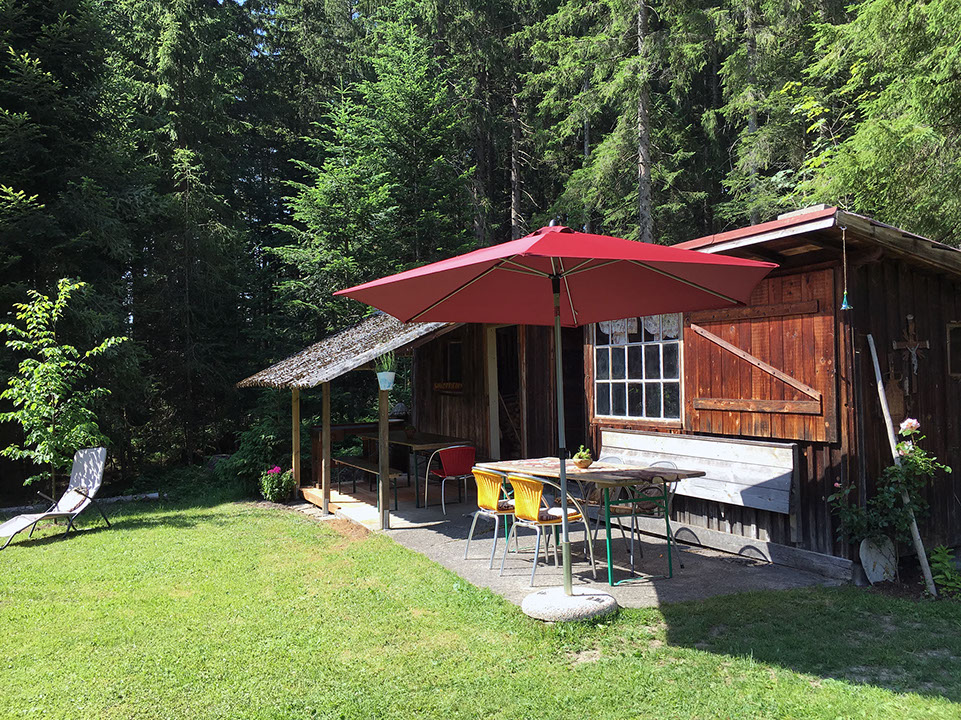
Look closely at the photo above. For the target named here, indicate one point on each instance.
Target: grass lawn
(234, 611)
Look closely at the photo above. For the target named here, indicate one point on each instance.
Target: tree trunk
(517, 221)
(750, 37)
(645, 229)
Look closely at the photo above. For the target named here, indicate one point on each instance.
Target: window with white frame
(637, 367)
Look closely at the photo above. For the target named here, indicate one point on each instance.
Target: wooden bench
(367, 466)
(747, 473)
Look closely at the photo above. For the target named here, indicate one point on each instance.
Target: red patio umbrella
(561, 277)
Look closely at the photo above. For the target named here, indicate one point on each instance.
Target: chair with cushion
(533, 511)
(492, 502)
(85, 479)
(455, 464)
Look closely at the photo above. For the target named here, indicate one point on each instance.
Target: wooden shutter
(766, 370)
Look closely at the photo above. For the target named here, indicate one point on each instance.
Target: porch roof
(344, 351)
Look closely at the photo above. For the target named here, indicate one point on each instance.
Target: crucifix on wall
(911, 347)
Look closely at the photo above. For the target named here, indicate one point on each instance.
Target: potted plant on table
(582, 458)
(384, 365)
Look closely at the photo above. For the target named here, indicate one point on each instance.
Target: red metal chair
(456, 462)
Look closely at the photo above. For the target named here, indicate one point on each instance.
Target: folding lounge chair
(85, 479)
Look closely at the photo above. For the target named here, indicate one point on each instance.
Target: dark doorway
(575, 404)
(508, 387)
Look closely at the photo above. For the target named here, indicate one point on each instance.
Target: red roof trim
(744, 232)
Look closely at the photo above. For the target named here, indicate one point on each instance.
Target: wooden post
(892, 439)
(383, 456)
(325, 461)
(295, 434)
(493, 408)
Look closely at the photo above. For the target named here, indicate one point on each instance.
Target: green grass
(231, 611)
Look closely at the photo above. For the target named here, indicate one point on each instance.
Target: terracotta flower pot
(583, 463)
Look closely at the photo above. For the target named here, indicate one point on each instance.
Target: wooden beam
(325, 462)
(295, 434)
(751, 313)
(799, 407)
(493, 409)
(383, 456)
(759, 364)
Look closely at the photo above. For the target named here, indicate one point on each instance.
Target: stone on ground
(554, 605)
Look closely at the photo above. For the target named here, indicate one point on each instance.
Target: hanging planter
(384, 366)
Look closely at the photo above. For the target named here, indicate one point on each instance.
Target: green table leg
(607, 530)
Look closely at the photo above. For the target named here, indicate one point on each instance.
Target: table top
(420, 441)
(602, 474)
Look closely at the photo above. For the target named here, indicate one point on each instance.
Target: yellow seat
(531, 510)
(492, 502)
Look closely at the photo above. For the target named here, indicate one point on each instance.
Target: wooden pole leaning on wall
(325, 456)
(295, 434)
(892, 439)
(383, 457)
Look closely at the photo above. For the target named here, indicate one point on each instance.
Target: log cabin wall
(774, 370)
(450, 395)
(441, 407)
(885, 294)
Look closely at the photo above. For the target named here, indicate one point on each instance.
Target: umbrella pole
(561, 435)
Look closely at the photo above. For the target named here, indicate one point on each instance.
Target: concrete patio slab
(698, 572)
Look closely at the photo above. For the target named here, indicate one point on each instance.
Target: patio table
(608, 476)
(419, 442)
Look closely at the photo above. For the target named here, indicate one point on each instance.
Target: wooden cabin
(777, 401)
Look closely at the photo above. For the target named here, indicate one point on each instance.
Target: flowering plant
(276, 485)
(887, 513)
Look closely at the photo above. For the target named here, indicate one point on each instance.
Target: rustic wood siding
(886, 292)
(541, 402)
(789, 327)
(462, 414)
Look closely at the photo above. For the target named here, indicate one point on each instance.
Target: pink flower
(910, 425)
(905, 448)
(837, 484)
(274, 470)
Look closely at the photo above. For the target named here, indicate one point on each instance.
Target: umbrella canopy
(601, 278)
(557, 276)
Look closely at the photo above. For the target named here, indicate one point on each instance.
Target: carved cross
(912, 346)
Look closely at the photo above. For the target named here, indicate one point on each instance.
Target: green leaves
(50, 399)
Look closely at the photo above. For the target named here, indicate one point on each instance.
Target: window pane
(601, 333)
(617, 363)
(670, 360)
(671, 326)
(635, 363)
(652, 362)
(652, 400)
(618, 399)
(603, 400)
(652, 328)
(672, 400)
(634, 330)
(602, 359)
(635, 399)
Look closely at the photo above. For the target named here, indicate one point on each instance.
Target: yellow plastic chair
(492, 502)
(531, 510)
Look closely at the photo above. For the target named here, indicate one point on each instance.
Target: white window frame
(607, 382)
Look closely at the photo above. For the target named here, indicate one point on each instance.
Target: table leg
(667, 522)
(607, 530)
(417, 480)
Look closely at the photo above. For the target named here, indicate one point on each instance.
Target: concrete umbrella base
(554, 605)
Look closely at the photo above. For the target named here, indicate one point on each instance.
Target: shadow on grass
(846, 633)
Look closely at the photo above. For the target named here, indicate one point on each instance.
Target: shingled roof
(342, 352)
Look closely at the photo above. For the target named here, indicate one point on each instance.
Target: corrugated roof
(800, 218)
(342, 352)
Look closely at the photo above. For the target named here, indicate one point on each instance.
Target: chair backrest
(86, 476)
(457, 460)
(528, 493)
(490, 486)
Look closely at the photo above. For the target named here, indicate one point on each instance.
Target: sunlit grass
(233, 611)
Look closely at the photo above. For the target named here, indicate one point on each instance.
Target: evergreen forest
(214, 169)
